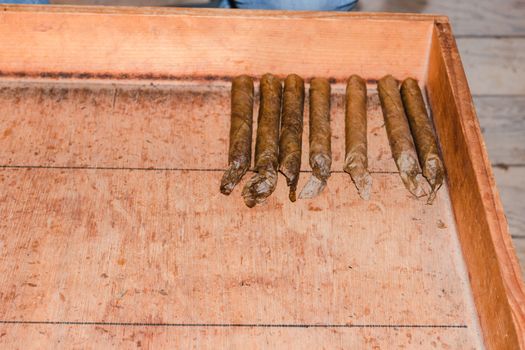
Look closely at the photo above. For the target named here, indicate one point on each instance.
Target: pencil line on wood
(498, 95)
(88, 167)
(490, 36)
(233, 325)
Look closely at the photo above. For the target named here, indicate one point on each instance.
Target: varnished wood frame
(492, 265)
(137, 44)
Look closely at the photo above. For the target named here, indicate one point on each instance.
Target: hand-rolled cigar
(399, 136)
(240, 151)
(426, 145)
(319, 137)
(290, 142)
(263, 183)
(356, 158)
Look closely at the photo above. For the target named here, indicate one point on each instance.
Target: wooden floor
(491, 38)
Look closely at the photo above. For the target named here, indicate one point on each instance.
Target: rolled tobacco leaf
(319, 138)
(290, 142)
(263, 183)
(240, 150)
(426, 144)
(399, 136)
(356, 158)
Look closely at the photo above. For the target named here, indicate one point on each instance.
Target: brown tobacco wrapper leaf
(426, 144)
(290, 142)
(399, 136)
(240, 150)
(262, 184)
(320, 138)
(356, 158)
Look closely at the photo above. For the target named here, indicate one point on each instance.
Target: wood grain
(127, 213)
(482, 17)
(162, 43)
(148, 247)
(179, 126)
(494, 67)
(493, 267)
(104, 337)
(502, 121)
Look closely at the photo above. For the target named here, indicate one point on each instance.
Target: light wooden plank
(494, 66)
(168, 43)
(482, 17)
(167, 247)
(180, 126)
(492, 264)
(96, 337)
(472, 181)
(502, 121)
(511, 185)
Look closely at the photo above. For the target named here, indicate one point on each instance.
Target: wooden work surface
(491, 38)
(113, 232)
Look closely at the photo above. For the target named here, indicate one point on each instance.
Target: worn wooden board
(144, 337)
(92, 235)
(511, 185)
(502, 121)
(146, 126)
(494, 67)
(149, 247)
(478, 210)
(157, 43)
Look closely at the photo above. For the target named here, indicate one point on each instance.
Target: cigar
(263, 183)
(290, 142)
(241, 126)
(319, 138)
(399, 136)
(356, 158)
(426, 144)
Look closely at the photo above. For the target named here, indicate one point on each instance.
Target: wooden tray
(113, 138)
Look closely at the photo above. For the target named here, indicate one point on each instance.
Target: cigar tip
(412, 184)
(248, 196)
(364, 186)
(270, 77)
(355, 77)
(313, 188)
(225, 190)
(243, 77)
(409, 83)
(319, 81)
(259, 187)
(294, 77)
(360, 177)
(431, 197)
(231, 177)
